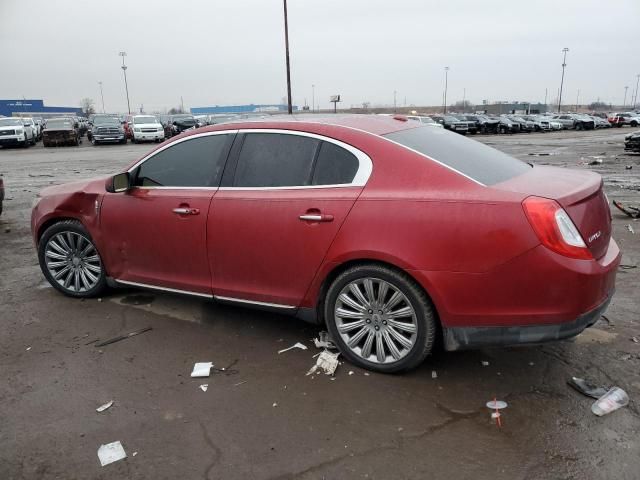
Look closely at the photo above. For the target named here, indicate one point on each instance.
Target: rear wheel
(579, 126)
(70, 261)
(380, 318)
(634, 123)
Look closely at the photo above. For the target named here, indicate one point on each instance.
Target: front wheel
(70, 261)
(380, 318)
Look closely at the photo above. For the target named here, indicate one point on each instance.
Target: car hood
(147, 125)
(93, 185)
(11, 127)
(61, 129)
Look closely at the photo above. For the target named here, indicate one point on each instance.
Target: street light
(635, 98)
(624, 103)
(101, 96)
(446, 82)
(126, 87)
(313, 98)
(564, 64)
(394, 101)
(286, 44)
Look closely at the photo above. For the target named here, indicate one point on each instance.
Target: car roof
(375, 124)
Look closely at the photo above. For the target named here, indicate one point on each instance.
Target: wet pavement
(262, 417)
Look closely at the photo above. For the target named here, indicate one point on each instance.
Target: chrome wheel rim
(376, 320)
(73, 262)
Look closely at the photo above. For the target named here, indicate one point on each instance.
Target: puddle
(175, 306)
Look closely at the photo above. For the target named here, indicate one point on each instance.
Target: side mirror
(118, 183)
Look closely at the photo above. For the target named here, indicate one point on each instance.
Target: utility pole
(126, 87)
(624, 103)
(545, 97)
(464, 97)
(101, 96)
(446, 81)
(181, 104)
(313, 98)
(577, 97)
(286, 44)
(635, 98)
(564, 64)
(394, 101)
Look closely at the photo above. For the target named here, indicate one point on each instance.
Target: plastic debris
(123, 337)
(635, 340)
(496, 404)
(202, 369)
(366, 374)
(350, 372)
(28, 348)
(586, 388)
(275, 404)
(111, 452)
(610, 401)
(324, 341)
(434, 374)
(134, 454)
(628, 167)
(297, 345)
(327, 362)
(102, 408)
(484, 363)
(204, 387)
(630, 228)
(240, 383)
(597, 161)
(630, 210)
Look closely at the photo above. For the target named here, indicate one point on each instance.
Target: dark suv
(180, 123)
(452, 123)
(107, 129)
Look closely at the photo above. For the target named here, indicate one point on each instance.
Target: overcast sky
(221, 52)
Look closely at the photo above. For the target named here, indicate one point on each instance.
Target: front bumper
(463, 338)
(12, 139)
(108, 138)
(150, 136)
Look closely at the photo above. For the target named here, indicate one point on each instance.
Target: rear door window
(195, 162)
(334, 166)
(275, 160)
(473, 159)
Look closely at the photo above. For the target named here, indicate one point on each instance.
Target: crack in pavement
(214, 448)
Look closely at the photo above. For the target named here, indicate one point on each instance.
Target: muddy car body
(60, 131)
(632, 142)
(387, 231)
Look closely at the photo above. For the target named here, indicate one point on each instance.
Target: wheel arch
(52, 221)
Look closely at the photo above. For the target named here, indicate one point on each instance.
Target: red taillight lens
(554, 228)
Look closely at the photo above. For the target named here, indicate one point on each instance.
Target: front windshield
(183, 117)
(106, 121)
(449, 118)
(148, 119)
(61, 123)
(10, 122)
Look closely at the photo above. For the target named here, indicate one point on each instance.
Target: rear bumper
(463, 338)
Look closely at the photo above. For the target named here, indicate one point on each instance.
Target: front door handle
(316, 217)
(186, 211)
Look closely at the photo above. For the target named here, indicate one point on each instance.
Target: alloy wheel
(376, 320)
(73, 262)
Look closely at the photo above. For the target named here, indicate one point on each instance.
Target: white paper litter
(496, 404)
(275, 404)
(327, 362)
(484, 363)
(434, 374)
(201, 369)
(324, 341)
(28, 348)
(111, 452)
(350, 372)
(134, 454)
(297, 345)
(204, 387)
(102, 408)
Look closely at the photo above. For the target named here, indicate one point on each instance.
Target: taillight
(554, 228)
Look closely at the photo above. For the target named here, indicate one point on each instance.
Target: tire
(416, 329)
(33, 141)
(76, 143)
(94, 142)
(26, 143)
(133, 139)
(634, 124)
(579, 126)
(124, 141)
(79, 275)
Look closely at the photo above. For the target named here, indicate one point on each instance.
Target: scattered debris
(610, 401)
(541, 154)
(327, 361)
(366, 374)
(204, 387)
(434, 374)
(202, 369)
(102, 408)
(99, 300)
(627, 267)
(123, 337)
(28, 348)
(275, 404)
(240, 383)
(350, 372)
(628, 167)
(597, 161)
(324, 341)
(134, 454)
(496, 406)
(111, 452)
(586, 388)
(484, 363)
(630, 210)
(297, 345)
(630, 228)
(635, 340)
(606, 319)
(531, 364)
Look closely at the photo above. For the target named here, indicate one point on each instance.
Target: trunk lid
(581, 195)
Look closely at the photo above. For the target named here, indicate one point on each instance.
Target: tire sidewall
(424, 315)
(75, 227)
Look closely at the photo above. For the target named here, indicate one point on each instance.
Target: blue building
(240, 109)
(36, 108)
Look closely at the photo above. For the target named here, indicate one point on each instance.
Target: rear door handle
(186, 211)
(316, 218)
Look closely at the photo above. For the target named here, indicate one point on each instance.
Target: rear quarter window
(473, 159)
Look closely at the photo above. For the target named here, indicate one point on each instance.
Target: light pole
(101, 96)
(286, 45)
(313, 98)
(564, 64)
(635, 97)
(545, 97)
(124, 71)
(464, 97)
(624, 103)
(577, 97)
(446, 82)
(394, 101)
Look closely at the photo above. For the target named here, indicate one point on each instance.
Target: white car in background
(34, 126)
(146, 128)
(14, 131)
(426, 120)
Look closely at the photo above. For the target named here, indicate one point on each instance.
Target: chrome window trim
(175, 142)
(365, 165)
(164, 289)
(253, 302)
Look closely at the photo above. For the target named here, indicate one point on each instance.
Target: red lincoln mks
(390, 232)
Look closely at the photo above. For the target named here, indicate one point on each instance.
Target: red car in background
(390, 232)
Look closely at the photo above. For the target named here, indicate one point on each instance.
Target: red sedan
(388, 231)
